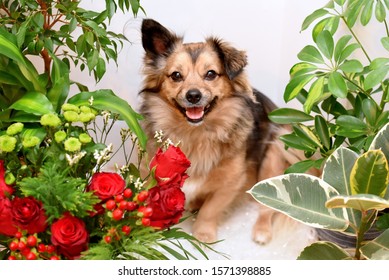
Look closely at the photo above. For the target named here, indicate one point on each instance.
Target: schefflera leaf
(301, 197)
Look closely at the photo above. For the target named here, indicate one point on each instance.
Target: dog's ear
(156, 39)
(234, 60)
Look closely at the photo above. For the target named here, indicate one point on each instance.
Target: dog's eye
(176, 76)
(210, 75)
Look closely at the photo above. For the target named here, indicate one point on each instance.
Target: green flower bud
(85, 109)
(86, 117)
(30, 141)
(71, 116)
(15, 128)
(50, 120)
(7, 143)
(59, 136)
(84, 138)
(72, 144)
(9, 179)
(70, 107)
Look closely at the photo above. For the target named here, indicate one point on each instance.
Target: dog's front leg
(224, 184)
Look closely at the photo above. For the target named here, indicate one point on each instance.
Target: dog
(198, 94)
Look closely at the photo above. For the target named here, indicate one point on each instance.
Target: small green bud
(70, 107)
(72, 144)
(50, 120)
(71, 116)
(7, 143)
(30, 141)
(85, 109)
(59, 136)
(84, 138)
(15, 128)
(9, 178)
(86, 117)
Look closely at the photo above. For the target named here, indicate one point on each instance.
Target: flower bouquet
(57, 202)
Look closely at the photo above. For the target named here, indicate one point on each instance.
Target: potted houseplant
(56, 201)
(343, 116)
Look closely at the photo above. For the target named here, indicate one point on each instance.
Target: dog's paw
(206, 234)
(261, 237)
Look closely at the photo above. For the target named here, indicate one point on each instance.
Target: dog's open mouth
(196, 114)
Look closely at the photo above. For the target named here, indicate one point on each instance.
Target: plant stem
(366, 223)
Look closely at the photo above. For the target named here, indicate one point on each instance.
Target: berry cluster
(29, 247)
(121, 204)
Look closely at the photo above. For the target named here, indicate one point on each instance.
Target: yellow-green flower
(30, 141)
(15, 128)
(7, 143)
(59, 136)
(86, 117)
(50, 120)
(85, 109)
(71, 116)
(84, 138)
(70, 107)
(72, 144)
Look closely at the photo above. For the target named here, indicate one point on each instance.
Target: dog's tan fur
(233, 146)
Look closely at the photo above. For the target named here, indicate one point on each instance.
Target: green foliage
(348, 198)
(347, 93)
(59, 192)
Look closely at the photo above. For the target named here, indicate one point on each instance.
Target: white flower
(74, 159)
(104, 155)
(90, 100)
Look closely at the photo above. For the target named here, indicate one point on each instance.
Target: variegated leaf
(377, 249)
(362, 202)
(303, 198)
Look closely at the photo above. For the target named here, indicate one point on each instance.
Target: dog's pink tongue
(195, 113)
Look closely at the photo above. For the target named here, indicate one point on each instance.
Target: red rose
(167, 204)
(69, 235)
(4, 188)
(28, 214)
(170, 166)
(106, 185)
(6, 225)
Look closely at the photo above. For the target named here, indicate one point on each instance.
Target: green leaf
(307, 135)
(310, 54)
(315, 93)
(381, 141)
(361, 202)
(107, 100)
(60, 83)
(289, 116)
(301, 197)
(312, 17)
(340, 46)
(385, 42)
(303, 166)
(301, 68)
(370, 110)
(337, 85)
(322, 131)
(324, 250)
(378, 63)
(325, 42)
(350, 126)
(367, 12)
(34, 103)
(353, 12)
(347, 52)
(375, 77)
(370, 174)
(294, 141)
(380, 11)
(377, 249)
(295, 85)
(351, 66)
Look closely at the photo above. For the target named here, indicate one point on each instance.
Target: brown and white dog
(199, 95)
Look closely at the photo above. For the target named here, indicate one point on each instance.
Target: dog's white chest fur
(191, 188)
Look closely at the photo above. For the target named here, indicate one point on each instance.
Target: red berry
(117, 214)
(146, 222)
(31, 256)
(123, 205)
(50, 249)
(22, 245)
(142, 196)
(13, 246)
(54, 258)
(11, 258)
(147, 212)
(131, 206)
(18, 235)
(127, 193)
(126, 229)
(107, 239)
(31, 241)
(110, 204)
(119, 198)
(41, 248)
(25, 251)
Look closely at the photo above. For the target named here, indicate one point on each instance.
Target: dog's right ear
(156, 39)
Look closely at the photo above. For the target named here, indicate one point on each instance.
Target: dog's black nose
(193, 96)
